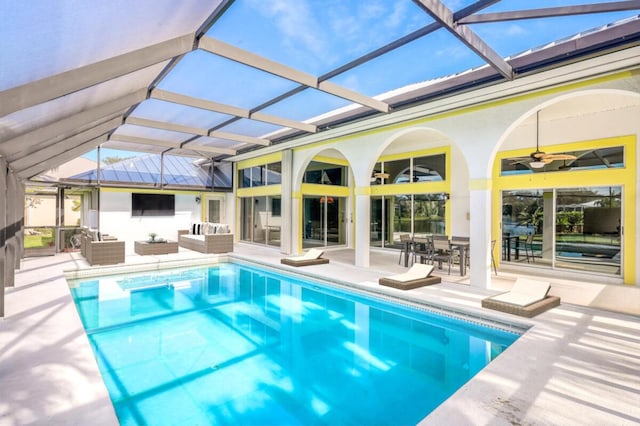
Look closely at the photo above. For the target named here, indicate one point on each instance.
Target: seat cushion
(193, 237)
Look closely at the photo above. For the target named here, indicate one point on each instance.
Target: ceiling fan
(538, 159)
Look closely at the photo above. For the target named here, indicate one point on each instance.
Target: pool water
(233, 344)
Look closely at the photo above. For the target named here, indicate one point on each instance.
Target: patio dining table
(462, 246)
(507, 244)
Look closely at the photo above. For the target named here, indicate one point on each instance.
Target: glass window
(274, 173)
(244, 178)
(378, 176)
(400, 217)
(275, 207)
(258, 175)
(222, 175)
(40, 210)
(591, 159)
(268, 174)
(428, 214)
(325, 174)
(72, 210)
(429, 168)
(377, 221)
(399, 171)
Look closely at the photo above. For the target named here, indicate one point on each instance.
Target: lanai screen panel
(155, 109)
(368, 48)
(317, 36)
(427, 58)
(72, 104)
(251, 127)
(307, 104)
(129, 130)
(41, 38)
(218, 142)
(208, 76)
(512, 37)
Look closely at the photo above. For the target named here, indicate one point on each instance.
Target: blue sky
(316, 36)
(319, 36)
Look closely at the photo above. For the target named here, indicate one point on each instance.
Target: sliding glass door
(414, 214)
(261, 220)
(323, 221)
(567, 228)
(587, 234)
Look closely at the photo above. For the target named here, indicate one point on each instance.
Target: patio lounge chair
(419, 275)
(312, 257)
(527, 298)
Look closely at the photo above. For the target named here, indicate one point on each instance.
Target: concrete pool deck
(577, 365)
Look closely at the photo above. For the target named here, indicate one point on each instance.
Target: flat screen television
(153, 204)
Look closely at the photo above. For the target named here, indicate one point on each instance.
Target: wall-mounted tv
(153, 204)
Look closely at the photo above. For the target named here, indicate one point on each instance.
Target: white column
(3, 225)
(288, 229)
(20, 193)
(362, 217)
(296, 227)
(480, 233)
(11, 241)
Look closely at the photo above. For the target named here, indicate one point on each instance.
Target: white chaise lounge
(527, 298)
(419, 275)
(312, 257)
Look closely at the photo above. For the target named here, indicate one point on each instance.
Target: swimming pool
(234, 344)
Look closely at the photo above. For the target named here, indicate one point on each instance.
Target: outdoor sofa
(101, 249)
(207, 237)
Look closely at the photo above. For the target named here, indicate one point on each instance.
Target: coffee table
(144, 248)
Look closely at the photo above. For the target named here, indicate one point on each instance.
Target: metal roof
(214, 78)
(178, 171)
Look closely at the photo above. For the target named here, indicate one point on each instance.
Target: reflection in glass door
(261, 220)
(573, 228)
(376, 222)
(587, 235)
(523, 223)
(323, 221)
(274, 221)
(419, 215)
(246, 217)
(401, 221)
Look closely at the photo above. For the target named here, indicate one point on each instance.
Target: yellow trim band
(274, 157)
(330, 160)
(317, 189)
(259, 191)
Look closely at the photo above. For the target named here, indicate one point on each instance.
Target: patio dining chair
(405, 248)
(442, 251)
(422, 249)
